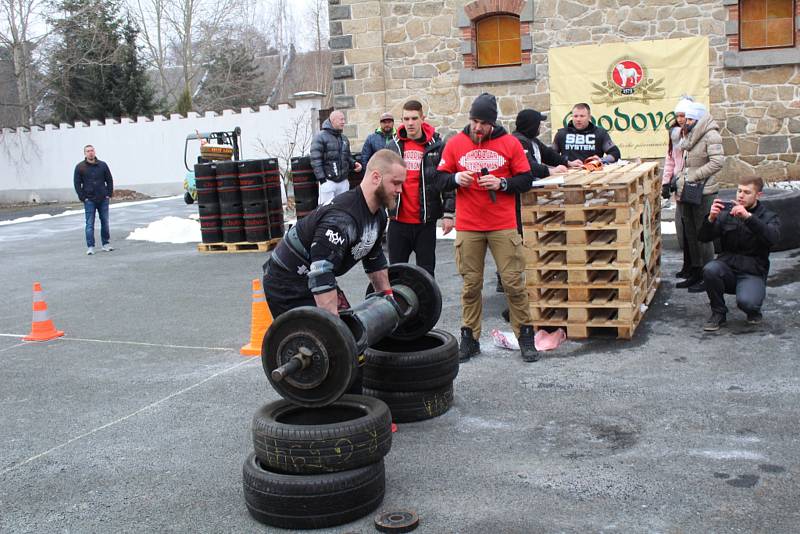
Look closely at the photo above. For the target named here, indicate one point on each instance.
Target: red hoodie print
(408, 211)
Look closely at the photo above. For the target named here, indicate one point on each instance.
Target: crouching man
(747, 230)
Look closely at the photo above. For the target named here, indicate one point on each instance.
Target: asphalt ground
(138, 420)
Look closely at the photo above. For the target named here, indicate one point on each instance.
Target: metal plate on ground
(397, 521)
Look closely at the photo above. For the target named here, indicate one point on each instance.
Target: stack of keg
(239, 201)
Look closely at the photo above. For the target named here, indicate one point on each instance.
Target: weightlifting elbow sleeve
(320, 277)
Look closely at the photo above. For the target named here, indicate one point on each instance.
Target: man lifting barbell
(302, 269)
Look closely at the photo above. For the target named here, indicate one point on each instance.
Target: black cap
(528, 121)
(484, 108)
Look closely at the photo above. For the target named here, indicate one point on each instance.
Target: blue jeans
(101, 207)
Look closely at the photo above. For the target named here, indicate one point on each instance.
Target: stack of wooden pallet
(593, 249)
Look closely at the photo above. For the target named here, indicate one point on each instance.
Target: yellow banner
(632, 88)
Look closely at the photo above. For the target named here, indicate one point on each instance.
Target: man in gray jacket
(331, 158)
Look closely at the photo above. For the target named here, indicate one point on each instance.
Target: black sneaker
(754, 318)
(699, 287)
(683, 274)
(714, 322)
(499, 287)
(469, 346)
(527, 347)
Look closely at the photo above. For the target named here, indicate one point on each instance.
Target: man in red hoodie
(413, 226)
(487, 166)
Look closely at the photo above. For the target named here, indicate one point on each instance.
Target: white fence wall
(145, 155)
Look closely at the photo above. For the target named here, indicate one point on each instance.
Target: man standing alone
(420, 205)
(331, 158)
(94, 186)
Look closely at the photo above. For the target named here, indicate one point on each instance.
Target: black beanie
(484, 108)
(528, 121)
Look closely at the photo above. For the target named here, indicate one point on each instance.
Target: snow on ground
(76, 212)
(168, 230)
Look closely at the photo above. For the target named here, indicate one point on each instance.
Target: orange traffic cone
(42, 328)
(261, 320)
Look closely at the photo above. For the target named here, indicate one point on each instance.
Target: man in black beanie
(542, 158)
(487, 168)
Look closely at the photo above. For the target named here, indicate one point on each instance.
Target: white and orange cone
(42, 328)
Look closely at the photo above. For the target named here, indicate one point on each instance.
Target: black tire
(187, 197)
(349, 433)
(311, 501)
(426, 363)
(410, 406)
(785, 203)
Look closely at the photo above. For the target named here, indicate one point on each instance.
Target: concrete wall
(145, 154)
(385, 52)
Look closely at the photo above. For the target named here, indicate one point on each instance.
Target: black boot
(695, 276)
(469, 346)
(527, 346)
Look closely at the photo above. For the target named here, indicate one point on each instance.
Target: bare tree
(195, 24)
(152, 19)
(317, 16)
(296, 141)
(18, 33)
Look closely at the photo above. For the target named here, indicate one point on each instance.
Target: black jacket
(539, 169)
(93, 181)
(375, 141)
(580, 144)
(330, 155)
(745, 243)
(433, 204)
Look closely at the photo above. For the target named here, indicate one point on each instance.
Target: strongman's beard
(387, 198)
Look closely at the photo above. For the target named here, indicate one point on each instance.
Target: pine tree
(134, 90)
(95, 67)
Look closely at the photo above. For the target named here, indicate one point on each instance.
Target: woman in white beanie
(673, 164)
(702, 159)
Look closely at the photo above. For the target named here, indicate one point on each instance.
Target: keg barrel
(306, 188)
(210, 223)
(251, 181)
(205, 179)
(256, 223)
(228, 183)
(273, 187)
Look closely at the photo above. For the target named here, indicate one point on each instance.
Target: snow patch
(168, 230)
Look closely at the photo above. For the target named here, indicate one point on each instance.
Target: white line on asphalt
(127, 343)
(121, 419)
(12, 346)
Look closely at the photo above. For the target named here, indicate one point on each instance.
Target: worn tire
(349, 433)
(410, 406)
(311, 501)
(785, 203)
(426, 363)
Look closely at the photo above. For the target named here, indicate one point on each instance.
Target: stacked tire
(413, 377)
(317, 467)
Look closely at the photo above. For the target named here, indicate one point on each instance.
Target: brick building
(445, 53)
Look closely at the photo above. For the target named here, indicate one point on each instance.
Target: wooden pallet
(245, 246)
(597, 322)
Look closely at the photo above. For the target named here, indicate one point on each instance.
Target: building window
(498, 41)
(766, 24)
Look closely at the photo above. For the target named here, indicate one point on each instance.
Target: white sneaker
(107, 247)
(90, 251)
